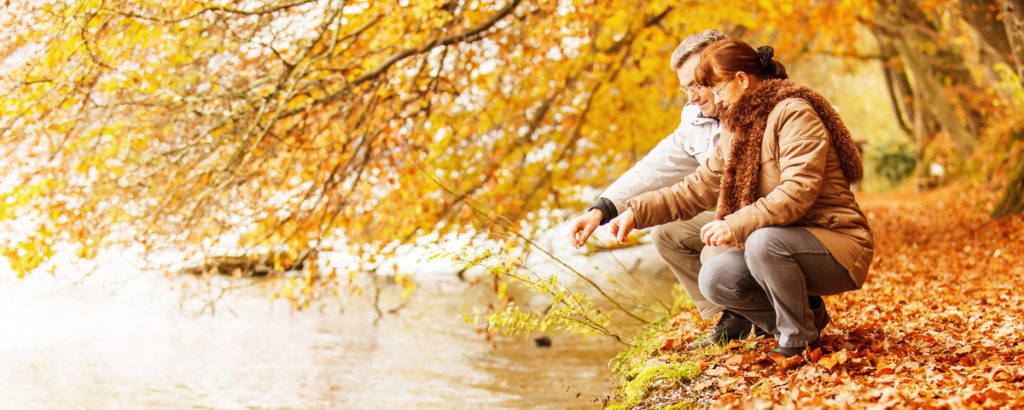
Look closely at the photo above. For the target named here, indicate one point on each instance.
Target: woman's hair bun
(764, 57)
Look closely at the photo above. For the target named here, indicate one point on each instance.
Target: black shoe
(793, 351)
(821, 319)
(730, 327)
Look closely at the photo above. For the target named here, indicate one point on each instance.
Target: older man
(675, 157)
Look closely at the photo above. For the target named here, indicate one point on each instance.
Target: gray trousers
(680, 245)
(769, 280)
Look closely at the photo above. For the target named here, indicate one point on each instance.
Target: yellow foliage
(177, 123)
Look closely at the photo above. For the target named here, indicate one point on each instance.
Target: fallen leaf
(735, 360)
(828, 362)
(841, 356)
(717, 371)
(791, 362)
(884, 368)
(815, 354)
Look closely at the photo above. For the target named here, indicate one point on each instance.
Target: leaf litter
(938, 324)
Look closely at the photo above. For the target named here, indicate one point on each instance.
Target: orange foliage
(286, 124)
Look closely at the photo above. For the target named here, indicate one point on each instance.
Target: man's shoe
(730, 327)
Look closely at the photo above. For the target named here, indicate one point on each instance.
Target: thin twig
(502, 221)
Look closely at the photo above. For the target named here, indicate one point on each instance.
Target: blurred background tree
(303, 124)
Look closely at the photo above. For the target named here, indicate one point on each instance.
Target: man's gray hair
(694, 44)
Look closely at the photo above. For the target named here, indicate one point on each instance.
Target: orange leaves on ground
(938, 323)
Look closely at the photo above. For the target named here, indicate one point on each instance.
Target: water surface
(131, 341)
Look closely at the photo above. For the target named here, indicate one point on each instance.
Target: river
(113, 340)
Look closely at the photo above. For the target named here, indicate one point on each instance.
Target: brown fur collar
(747, 119)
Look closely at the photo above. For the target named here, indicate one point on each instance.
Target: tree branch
(444, 41)
(262, 11)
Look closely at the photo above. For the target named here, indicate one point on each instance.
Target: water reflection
(128, 344)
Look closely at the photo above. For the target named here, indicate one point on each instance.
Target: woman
(780, 178)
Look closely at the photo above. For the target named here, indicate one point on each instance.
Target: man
(675, 157)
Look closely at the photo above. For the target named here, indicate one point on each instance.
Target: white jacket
(674, 158)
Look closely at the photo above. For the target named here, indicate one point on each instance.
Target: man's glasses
(691, 89)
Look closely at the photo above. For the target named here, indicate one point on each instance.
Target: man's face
(704, 98)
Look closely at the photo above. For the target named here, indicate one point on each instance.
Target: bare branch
(212, 9)
(444, 41)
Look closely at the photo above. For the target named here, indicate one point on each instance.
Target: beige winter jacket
(800, 184)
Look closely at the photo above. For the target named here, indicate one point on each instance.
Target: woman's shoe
(821, 319)
(793, 351)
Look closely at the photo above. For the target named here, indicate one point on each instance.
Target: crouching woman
(780, 177)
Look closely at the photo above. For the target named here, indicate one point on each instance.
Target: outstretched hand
(622, 225)
(582, 226)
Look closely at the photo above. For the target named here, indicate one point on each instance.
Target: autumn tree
(310, 124)
(198, 124)
(947, 66)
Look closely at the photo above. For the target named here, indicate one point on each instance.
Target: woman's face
(727, 92)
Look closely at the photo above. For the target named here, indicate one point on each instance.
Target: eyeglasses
(691, 89)
(719, 90)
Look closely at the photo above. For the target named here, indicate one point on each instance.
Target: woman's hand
(622, 225)
(717, 233)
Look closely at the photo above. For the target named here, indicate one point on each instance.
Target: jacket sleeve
(803, 149)
(666, 164)
(684, 200)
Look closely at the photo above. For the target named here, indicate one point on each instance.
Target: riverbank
(937, 324)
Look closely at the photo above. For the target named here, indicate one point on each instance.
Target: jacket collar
(700, 119)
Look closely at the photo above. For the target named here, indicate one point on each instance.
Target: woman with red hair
(780, 177)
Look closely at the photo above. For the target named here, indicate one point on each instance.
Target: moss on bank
(653, 363)
(658, 376)
(659, 371)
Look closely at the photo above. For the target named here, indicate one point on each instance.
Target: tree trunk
(992, 32)
(1012, 201)
(992, 41)
(902, 26)
(1013, 20)
(900, 93)
(927, 86)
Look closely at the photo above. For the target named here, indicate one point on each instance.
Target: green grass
(660, 376)
(645, 368)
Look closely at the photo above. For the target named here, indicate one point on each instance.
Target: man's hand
(717, 233)
(582, 226)
(622, 225)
